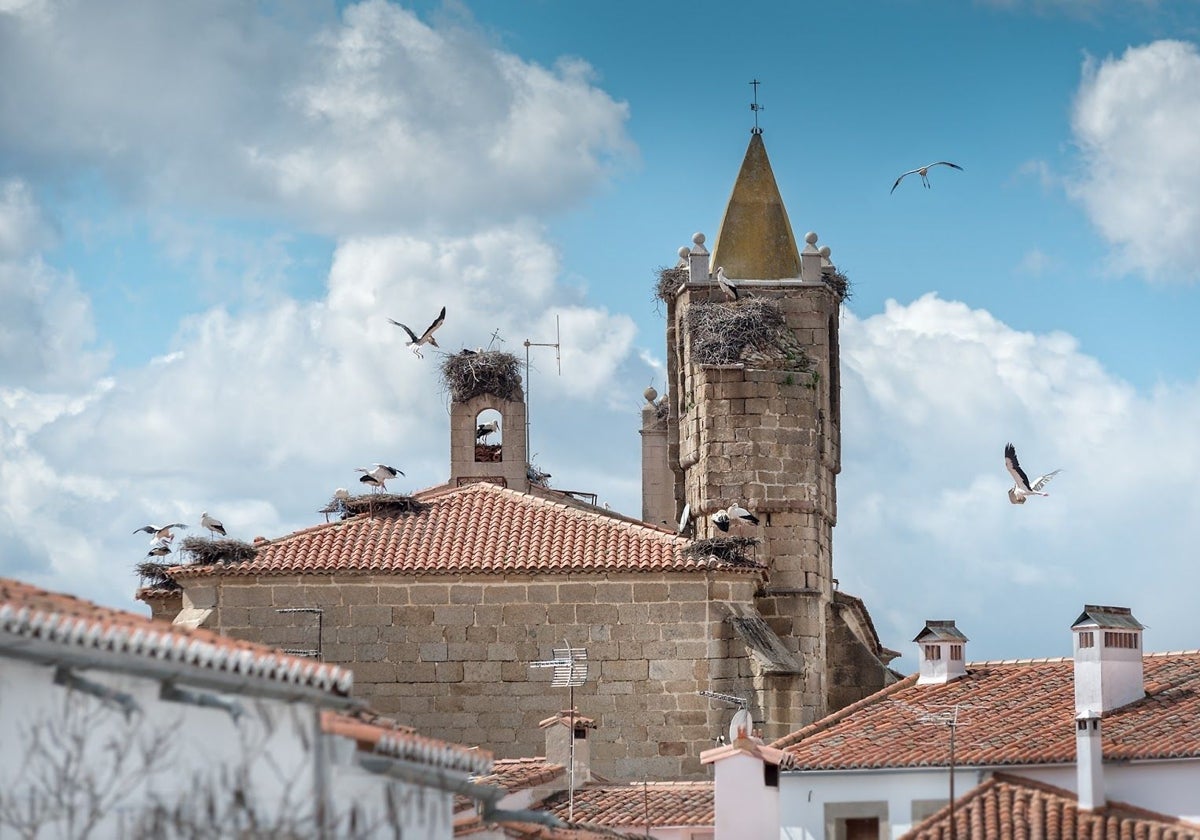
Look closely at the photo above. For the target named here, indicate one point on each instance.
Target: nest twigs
(154, 575)
(377, 503)
(753, 328)
(839, 282)
(206, 552)
(467, 374)
(729, 549)
(670, 279)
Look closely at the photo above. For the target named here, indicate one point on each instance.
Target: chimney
(941, 650)
(566, 729)
(698, 266)
(1089, 762)
(745, 784)
(658, 483)
(1108, 659)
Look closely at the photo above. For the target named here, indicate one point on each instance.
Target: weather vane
(755, 107)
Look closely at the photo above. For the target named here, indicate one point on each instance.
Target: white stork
(212, 524)
(727, 286)
(160, 532)
(426, 337)
(378, 475)
(721, 520)
(738, 513)
(158, 548)
(1022, 487)
(923, 171)
(484, 430)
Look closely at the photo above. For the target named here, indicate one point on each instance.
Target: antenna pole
(953, 726)
(557, 345)
(571, 769)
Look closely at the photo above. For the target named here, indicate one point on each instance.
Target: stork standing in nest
(727, 287)
(485, 430)
(213, 525)
(378, 475)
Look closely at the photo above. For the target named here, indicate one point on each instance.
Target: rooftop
(1010, 807)
(473, 529)
(28, 613)
(1020, 712)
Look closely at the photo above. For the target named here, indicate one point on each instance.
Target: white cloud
(1136, 120)
(932, 392)
(364, 124)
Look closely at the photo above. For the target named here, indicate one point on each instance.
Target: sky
(209, 211)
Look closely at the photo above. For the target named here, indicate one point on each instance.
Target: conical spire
(755, 241)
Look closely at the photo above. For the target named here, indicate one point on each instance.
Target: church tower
(753, 371)
(487, 420)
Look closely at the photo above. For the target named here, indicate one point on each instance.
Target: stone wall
(451, 655)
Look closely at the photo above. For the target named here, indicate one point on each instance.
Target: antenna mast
(557, 345)
(755, 107)
(570, 669)
(950, 719)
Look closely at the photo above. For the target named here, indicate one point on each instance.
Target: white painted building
(114, 725)
(1109, 726)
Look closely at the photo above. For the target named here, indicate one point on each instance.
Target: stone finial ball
(650, 394)
(698, 238)
(825, 251)
(683, 252)
(810, 238)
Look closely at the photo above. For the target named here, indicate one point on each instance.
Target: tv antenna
(950, 718)
(570, 670)
(495, 337)
(742, 722)
(320, 614)
(557, 345)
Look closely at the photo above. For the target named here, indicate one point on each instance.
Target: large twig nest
(669, 280)
(837, 281)
(375, 504)
(154, 576)
(206, 552)
(467, 374)
(750, 330)
(730, 549)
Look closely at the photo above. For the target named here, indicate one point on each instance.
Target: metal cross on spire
(755, 107)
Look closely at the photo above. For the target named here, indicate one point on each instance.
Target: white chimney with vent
(941, 650)
(1108, 659)
(1089, 761)
(566, 739)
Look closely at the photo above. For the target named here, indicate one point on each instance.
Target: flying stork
(923, 171)
(426, 337)
(1023, 488)
(160, 532)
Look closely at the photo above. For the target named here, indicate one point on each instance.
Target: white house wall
(803, 796)
(1166, 787)
(269, 753)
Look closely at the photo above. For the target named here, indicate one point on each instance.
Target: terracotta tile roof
(749, 746)
(384, 736)
(476, 528)
(1029, 709)
(1012, 808)
(533, 831)
(514, 774)
(629, 806)
(29, 613)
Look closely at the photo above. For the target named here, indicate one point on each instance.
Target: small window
(1087, 639)
(933, 653)
(770, 775)
(956, 652)
(489, 431)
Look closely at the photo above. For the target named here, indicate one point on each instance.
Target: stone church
(442, 602)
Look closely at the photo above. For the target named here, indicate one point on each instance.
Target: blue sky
(208, 211)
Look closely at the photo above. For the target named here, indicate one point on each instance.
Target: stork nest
(729, 549)
(537, 476)
(751, 330)
(205, 552)
(839, 282)
(670, 279)
(467, 374)
(375, 503)
(662, 409)
(154, 576)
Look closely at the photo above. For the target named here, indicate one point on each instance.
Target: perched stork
(212, 524)
(923, 171)
(426, 337)
(378, 476)
(484, 430)
(1022, 487)
(721, 520)
(160, 532)
(159, 548)
(730, 291)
